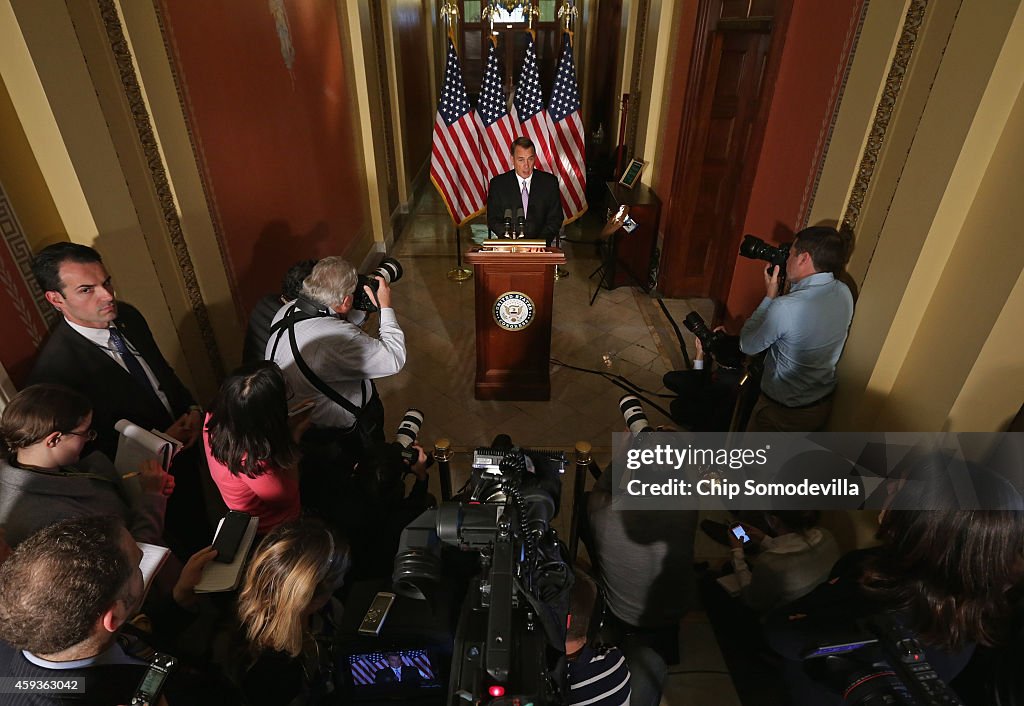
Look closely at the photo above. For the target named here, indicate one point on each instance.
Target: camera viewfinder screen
(398, 668)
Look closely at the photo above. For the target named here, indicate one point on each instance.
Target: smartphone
(229, 536)
(740, 533)
(301, 407)
(148, 691)
(373, 621)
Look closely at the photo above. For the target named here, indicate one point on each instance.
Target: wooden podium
(513, 323)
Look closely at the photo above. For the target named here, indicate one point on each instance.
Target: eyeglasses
(88, 435)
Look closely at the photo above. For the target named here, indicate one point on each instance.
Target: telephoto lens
(633, 413)
(409, 428)
(756, 249)
(389, 269)
(718, 344)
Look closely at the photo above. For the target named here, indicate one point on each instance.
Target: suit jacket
(68, 358)
(544, 215)
(410, 675)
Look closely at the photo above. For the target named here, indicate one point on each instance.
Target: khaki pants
(768, 415)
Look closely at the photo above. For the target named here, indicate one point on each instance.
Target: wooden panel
(513, 365)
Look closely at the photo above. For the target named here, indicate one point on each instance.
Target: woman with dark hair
(952, 547)
(252, 446)
(42, 479)
(288, 615)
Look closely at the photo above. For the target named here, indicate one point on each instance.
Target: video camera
(390, 269)
(882, 664)
(718, 344)
(511, 630)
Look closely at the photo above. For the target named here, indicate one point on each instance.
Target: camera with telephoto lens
(405, 434)
(389, 269)
(882, 663)
(718, 344)
(633, 413)
(756, 249)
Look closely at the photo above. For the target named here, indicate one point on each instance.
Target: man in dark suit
(105, 350)
(397, 672)
(527, 189)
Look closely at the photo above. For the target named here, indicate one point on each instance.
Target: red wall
(278, 147)
(22, 328)
(818, 42)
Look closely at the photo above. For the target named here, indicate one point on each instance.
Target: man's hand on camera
(698, 349)
(419, 468)
(382, 297)
(771, 281)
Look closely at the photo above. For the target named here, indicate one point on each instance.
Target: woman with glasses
(251, 442)
(43, 479)
(288, 617)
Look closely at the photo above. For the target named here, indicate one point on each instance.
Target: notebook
(136, 445)
(153, 558)
(219, 577)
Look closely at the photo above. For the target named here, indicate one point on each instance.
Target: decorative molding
(883, 113)
(828, 123)
(21, 255)
(635, 80)
(158, 173)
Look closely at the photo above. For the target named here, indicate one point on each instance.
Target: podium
(513, 322)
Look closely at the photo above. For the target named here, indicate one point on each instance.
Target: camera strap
(292, 317)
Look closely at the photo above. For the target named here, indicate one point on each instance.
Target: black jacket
(544, 215)
(68, 358)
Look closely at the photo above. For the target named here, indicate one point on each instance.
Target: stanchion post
(559, 272)
(443, 454)
(583, 459)
(459, 273)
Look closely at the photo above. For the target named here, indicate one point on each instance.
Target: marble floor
(625, 326)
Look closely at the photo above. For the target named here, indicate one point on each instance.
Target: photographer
(328, 359)
(706, 393)
(803, 331)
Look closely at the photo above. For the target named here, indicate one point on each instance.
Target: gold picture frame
(632, 173)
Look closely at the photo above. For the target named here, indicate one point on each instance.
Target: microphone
(508, 222)
(520, 223)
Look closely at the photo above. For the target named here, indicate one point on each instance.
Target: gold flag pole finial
(568, 13)
(450, 17)
(531, 11)
(488, 14)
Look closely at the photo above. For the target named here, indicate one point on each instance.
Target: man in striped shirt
(597, 675)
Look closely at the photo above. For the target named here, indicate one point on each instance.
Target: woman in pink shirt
(252, 446)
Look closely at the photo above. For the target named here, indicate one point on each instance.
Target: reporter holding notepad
(251, 444)
(43, 479)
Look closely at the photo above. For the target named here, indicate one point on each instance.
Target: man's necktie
(526, 198)
(131, 362)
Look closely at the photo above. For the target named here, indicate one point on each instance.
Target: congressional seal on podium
(513, 311)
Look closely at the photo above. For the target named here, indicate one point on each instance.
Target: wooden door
(717, 156)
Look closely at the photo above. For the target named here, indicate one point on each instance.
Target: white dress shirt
(101, 337)
(343, 356)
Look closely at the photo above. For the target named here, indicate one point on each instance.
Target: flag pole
(459, 273)
(566, 13)
(450, 16)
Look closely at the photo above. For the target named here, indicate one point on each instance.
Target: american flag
(365, 666)
(455, 166)
(567, 135)
(497, 129)
(528, 108)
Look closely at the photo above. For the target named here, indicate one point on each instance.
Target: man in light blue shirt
(803, 331)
